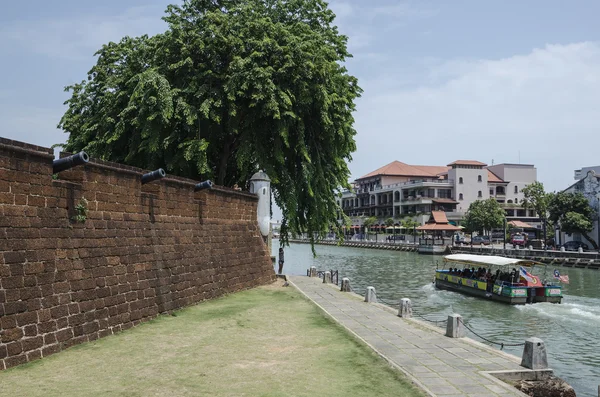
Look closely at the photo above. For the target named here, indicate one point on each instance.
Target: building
(398, 190)
(589, 186)
(582, 173)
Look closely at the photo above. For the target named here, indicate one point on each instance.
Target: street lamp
(504, 235)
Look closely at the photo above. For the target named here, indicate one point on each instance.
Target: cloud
(77, 38)
(539, 108)
(364, 21)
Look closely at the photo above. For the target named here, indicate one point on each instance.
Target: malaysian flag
(526, 275)
(563, 279)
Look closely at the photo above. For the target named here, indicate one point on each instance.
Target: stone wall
(143, 250)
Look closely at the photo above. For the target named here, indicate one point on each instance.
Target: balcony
(409, 184)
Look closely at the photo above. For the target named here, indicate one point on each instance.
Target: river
(569, 330)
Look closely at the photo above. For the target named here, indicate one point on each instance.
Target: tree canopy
(484, 215)
(232, 86)
(537, 199)
(573, 213)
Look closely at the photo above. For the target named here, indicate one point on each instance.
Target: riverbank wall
(91, 251)
(590, 260)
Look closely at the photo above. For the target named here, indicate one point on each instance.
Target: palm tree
(390, 222)
(368, 222)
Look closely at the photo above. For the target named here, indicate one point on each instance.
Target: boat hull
(481, 293)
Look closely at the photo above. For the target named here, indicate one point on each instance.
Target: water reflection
(570, 330)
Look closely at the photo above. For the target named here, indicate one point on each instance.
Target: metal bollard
(455, 327)
(327, 277)
(405, 309)
(345, 285)
(534, 354)
(370, 295)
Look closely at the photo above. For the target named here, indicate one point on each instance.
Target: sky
(507, 81)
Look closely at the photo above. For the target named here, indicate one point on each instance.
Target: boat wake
(573, 312)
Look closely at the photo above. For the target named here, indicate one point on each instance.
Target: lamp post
(504, 235)
(544, 226)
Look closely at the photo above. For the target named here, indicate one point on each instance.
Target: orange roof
(467, 162)
(403, 169)
(521, 224)
(438, 217)
(493, 177)
(437, 226)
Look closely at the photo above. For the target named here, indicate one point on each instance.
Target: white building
(399, 190)
(589, 186)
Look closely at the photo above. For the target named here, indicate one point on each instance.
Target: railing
(416, 183)
(321, 274)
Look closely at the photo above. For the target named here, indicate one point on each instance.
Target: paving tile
(445, 366)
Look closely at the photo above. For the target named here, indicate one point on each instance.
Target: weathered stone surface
(552, 387)
(141, 251)
(327, 277)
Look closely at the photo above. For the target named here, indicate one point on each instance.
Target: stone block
(370, 295)
(345, 285)
(455, 327)
(405, 309)
(534, 354)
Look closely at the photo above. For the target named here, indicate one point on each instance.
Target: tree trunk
(591, 240)
(224, 159)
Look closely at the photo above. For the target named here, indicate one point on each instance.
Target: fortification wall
(143, 250)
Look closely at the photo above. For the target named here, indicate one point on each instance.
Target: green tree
(231, 87)
(409, 226)
(368, 222)
(573, 213)
(537, 199)
(484, 215)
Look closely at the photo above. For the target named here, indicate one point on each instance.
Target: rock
(551, 387)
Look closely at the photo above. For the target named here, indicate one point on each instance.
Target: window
(479, 194)
(516, 200)
(491, 192)
(516, 189)
(460, 180)
(460, 195)
(478, 178)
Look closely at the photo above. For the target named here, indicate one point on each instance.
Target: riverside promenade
(439, 365)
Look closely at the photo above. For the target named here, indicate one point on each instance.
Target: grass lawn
(268, 341)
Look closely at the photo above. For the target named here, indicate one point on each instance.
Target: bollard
(530, 247)
(534, 354)
(345, 285)
(580, 250)
(327, 277)
(313, 271)
(562, 249)
(370, 295)
(455, 327)
(405, 309)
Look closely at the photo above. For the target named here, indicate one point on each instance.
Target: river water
(571, 330)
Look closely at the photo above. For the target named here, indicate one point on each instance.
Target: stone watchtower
(260, 184)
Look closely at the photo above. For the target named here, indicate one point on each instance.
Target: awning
(521, 224)
(437, 226)
(444, 201)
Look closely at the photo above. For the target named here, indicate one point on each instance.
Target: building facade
(398, 190)
(589, 186)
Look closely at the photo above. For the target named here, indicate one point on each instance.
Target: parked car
(478, 240)
(574, 246)
(519, 239)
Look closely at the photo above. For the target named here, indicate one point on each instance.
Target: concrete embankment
(590, 260)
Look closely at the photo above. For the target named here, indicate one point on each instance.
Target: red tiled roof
(444, 201)
(402, 169)
(438, 217)
(467, 162)
(493, 177)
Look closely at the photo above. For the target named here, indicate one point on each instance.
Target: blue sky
(502, 81)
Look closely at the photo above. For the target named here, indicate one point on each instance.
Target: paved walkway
(441, 366)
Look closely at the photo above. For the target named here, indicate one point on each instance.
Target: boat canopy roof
(487, 260)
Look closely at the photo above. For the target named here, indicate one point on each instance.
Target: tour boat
(501, 279)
